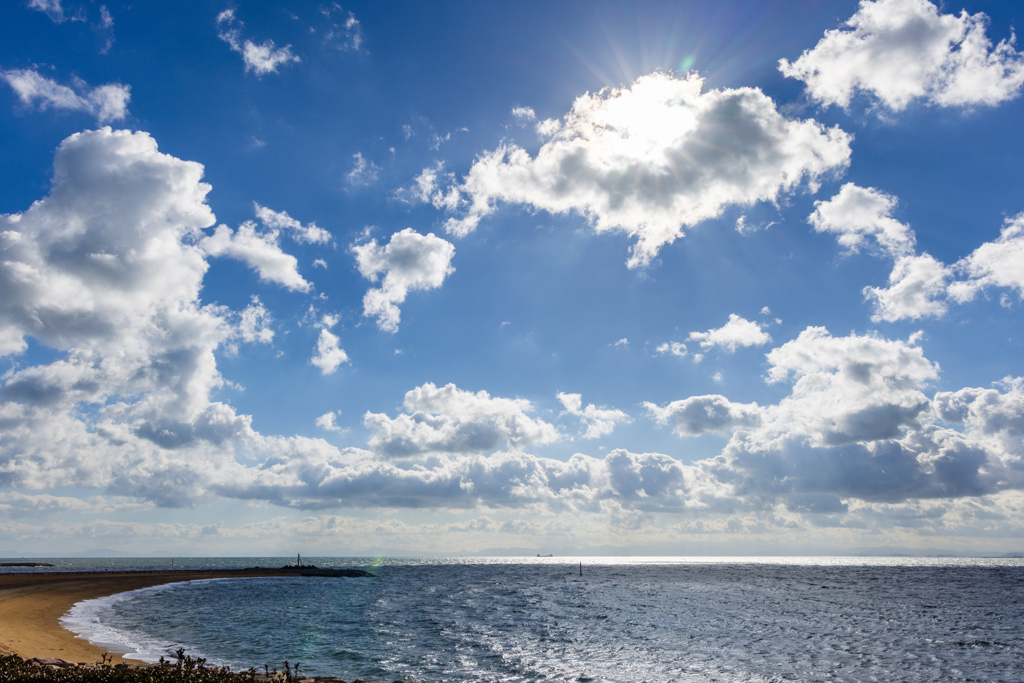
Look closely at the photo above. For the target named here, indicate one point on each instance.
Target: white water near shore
(625, 619)
(86, 620)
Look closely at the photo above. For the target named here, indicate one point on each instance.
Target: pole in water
(298, 559)
(581, 569)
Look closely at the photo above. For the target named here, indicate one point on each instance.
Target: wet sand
(31, 605)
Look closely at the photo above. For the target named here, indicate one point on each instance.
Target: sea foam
(86, 620)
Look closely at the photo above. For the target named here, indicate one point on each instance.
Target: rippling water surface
(824, 619)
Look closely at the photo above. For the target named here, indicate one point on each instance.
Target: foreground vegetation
(185, 670)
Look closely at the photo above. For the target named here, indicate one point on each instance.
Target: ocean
(623, 619)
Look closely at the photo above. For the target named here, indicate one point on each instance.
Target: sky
(682, 278)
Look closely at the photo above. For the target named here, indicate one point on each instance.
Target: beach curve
(31, 605)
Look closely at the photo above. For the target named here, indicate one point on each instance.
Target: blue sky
(666, 278)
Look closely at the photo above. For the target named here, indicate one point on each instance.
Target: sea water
(623, 619)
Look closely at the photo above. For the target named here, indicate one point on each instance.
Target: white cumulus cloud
(106, 102)
(105, 270)
(700, 414)
(672, 349)
(329, 356)
(653, 158)
(261, 251)
(410, 262)
(449, 420)
(854, 388)
(327, 422)
(995, 415)
(524, 115)
(280, 220)
(857, 213)
(731, 336)
(899, 51)
(253, 326)
(994, 264)
(857, 426)
(917, 284)
(596, 422)
(262, 58)
(254, 323)
(427, 187)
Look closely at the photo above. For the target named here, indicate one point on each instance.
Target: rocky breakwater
(312, 570)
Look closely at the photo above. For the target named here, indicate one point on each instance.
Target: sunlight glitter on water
(625, 619)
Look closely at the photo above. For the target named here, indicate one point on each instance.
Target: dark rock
(52, 661)
(335, 572)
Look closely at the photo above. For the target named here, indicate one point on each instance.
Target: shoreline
(31, 605)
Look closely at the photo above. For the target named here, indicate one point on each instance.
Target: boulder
(52, 661)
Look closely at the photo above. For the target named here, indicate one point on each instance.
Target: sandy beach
(31, 605)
